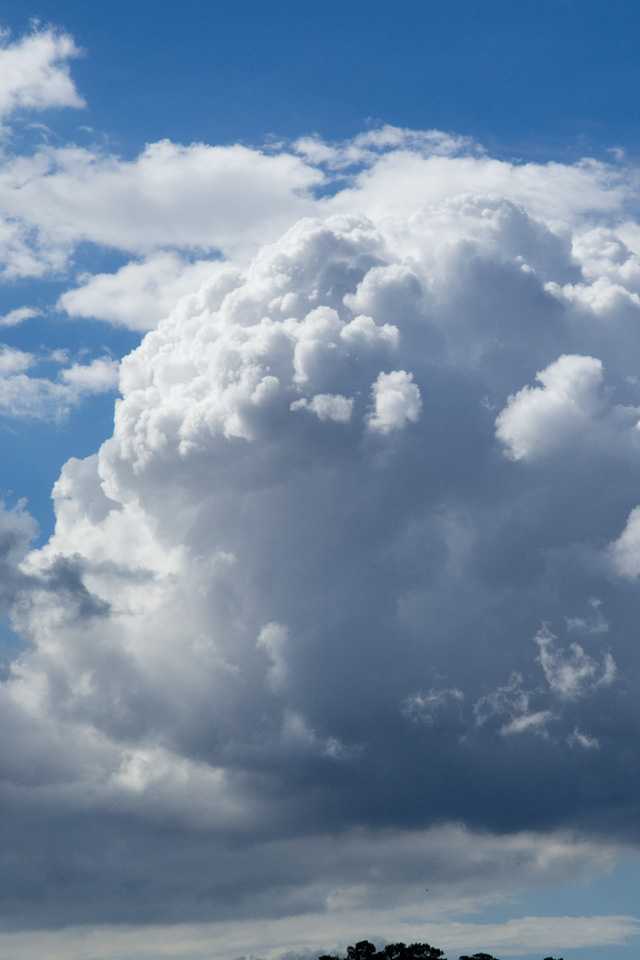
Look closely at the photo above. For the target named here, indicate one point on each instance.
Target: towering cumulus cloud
(355, 578)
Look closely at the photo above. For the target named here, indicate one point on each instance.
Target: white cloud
(624, 553)
(583, 740)
(198, 197)
(610, 272)
(602, 296)
(425, 706)
(514, 702)
(366, 148)
(138, 295)
(570, 676)
(534, 722)
(396, 401)
(98, 376)
(327, 406)
(574, 675)
(34, 72)
(400, 181)
(173, 200)
(26, 396)
(539, 420)
(14, 361)
(14, 317)
(364, 329)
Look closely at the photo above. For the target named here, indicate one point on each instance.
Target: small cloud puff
(14, 317)
(98, 376)
(574, 675)
(327, 406)
(583, 740)
(425, 706)
(570, 676)
(396, 401)
(34, 72)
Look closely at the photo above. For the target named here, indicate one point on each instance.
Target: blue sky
(320, 543)
(554, 77)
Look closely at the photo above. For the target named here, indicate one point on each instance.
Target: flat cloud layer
(350, 595)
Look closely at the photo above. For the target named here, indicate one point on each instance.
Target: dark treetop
(365, 950)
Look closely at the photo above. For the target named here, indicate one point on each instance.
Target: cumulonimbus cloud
(353, 472)
(304, 516)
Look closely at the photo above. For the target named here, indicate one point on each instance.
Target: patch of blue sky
(554, 77)
(593, 894)
(35, 450)
(11, 646)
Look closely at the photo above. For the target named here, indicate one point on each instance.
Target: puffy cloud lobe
(396, 401)
(539, 420)
(327, 406)
(260, 351)
(365, 330)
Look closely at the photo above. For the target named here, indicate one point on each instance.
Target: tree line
(364, 950)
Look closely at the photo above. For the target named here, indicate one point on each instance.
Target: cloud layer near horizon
(360, 559)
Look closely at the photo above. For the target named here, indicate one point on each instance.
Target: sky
(320, 522)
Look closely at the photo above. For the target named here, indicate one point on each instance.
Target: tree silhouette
(479, 956)
(365, 950)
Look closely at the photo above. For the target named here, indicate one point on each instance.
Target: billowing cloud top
(361, 555)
